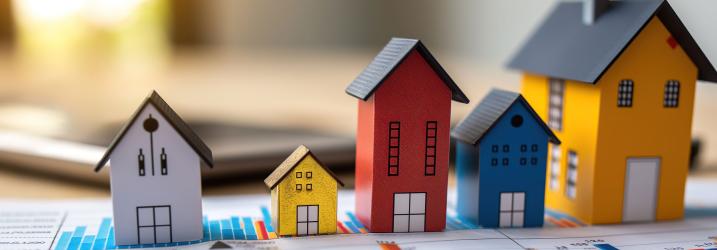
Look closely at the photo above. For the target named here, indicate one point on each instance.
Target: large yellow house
(616, 82)
(303, 195)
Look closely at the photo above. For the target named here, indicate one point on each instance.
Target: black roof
(484, 116)
(177, 123)
(391, 56)
(564, 47)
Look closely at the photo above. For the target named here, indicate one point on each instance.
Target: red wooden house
(402, 141)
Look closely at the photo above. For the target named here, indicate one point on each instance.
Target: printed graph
(244, 228)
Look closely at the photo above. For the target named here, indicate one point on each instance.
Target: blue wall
(492, 180)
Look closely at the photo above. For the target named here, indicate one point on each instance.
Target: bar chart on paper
(244, 222)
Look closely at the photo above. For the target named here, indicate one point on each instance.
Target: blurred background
(72, 70)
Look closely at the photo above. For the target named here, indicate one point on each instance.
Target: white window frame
(556, 99)
(555, 156)
(571, 179)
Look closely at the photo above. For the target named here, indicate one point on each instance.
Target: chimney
(592, 10)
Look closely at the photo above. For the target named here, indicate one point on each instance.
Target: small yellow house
(303, 195)
(616, 82)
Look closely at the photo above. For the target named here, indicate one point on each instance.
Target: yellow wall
(285, 197)
(646, 129)
(579, 133)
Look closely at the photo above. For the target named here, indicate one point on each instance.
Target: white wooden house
(155, 177)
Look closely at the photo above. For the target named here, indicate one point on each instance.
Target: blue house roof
(484, 116)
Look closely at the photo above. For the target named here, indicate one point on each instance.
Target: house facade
(501, 155)
(402, 143)
(303, 196)
(620, 97)
(155, 177)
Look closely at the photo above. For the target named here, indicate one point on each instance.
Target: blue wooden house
(500, 162)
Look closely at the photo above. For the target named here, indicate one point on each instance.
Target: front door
(307, 220)
(512, 209)
(409, 212)
(154, 224)
(641, 179)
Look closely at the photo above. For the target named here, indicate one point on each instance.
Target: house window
(494, 162)
(494, 149)
(298, 174)
(625, 92)
(523, 148)
(309, 187)
(555, 103)
(523, 161)
(555, 155)
(506, 148)
(163, 162)
(394, 143)
(672, 94)
(431, 130)
(572, 177)
(505, 162)
(140, 163)
(309, 174)
(298, 187)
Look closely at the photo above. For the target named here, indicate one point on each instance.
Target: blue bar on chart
(605, 247)
(76, 238)
(238, 231)
(227, 232)
(249, 228)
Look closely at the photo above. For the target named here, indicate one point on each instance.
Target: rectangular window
(555, 103)
(625, 92)
(298, 174)
(431, 131)
(555, 155)
(394, 143)
(309, 174)
(572, 177)
(672, 94)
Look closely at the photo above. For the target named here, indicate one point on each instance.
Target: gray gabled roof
(484, 116)
(564, 47)
(173, 119)
(391, 56)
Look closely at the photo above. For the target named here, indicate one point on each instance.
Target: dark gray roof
(391, 56)
(173, 118)
(564, 47)
(484, 116)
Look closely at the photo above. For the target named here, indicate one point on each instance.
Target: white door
(307, 220)
(512, 209)
(154, 224)
(641, 180)
(409, 212)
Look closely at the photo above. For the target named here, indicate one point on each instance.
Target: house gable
(201, 149)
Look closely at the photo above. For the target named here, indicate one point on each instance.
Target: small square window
(494, 162)
(393, 170)
(298, 187)
(494, 148)
(430, 170)
(523, 161)
(309, 175)
(431, 161)
(534, 148)
(505, 161)
(309, 187)
(298, 174)
(506, 148)
(534, 161)
(523, 148)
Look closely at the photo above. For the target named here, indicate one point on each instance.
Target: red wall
(412, 94)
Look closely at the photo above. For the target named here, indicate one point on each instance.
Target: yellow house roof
(294, 159)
